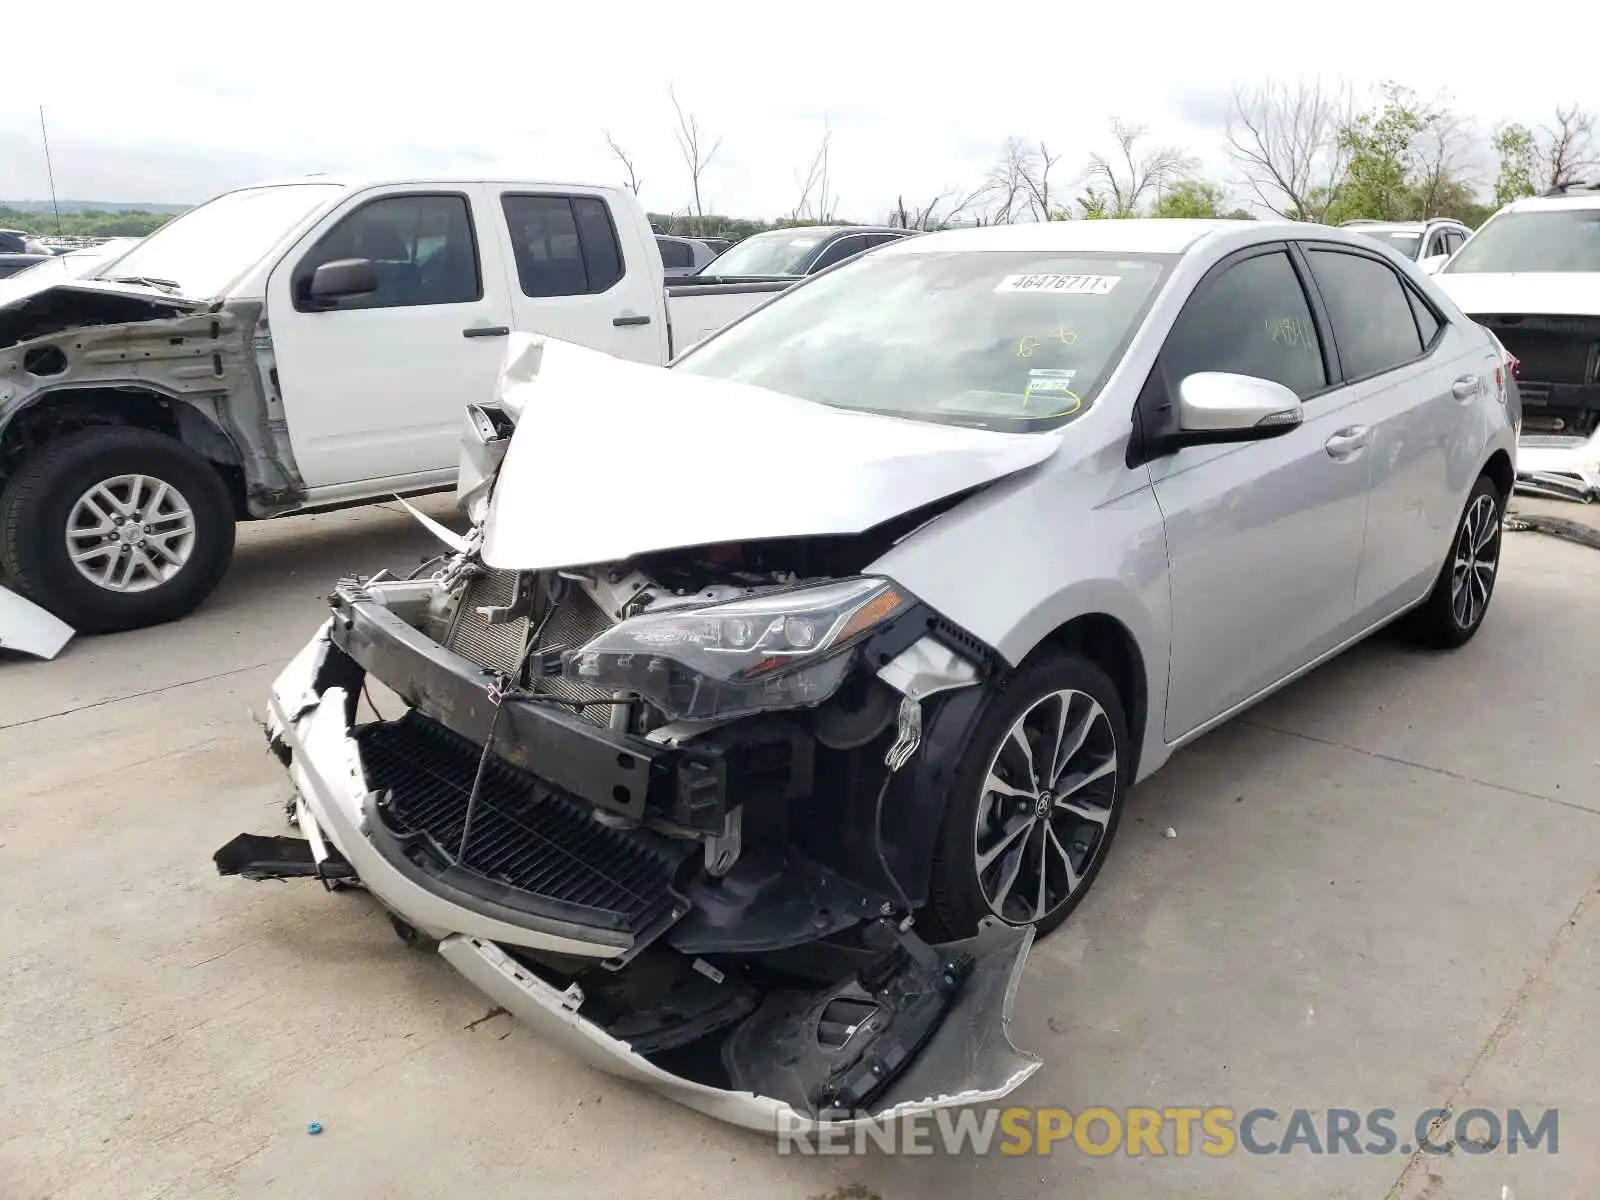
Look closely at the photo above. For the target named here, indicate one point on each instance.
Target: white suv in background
(1531, 274)
(1420, 241)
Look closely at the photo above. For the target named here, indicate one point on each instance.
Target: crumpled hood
(1556, 293)
(612, 459)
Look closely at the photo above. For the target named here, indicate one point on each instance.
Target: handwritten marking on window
(1066, 337)
(1292, 331)
(1027, 346)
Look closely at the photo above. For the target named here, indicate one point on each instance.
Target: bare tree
(1285, 142)
(1445, 158)
(1018, 187)
(816, 180)
(690, 144)
(634, 182)
(1568, 147)
(1127, 175)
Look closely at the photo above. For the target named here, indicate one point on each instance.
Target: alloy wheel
(130, 533)
(1477, 558)
(1047, 804)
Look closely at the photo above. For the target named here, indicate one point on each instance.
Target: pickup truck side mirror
(341, 279)
(1433, 262)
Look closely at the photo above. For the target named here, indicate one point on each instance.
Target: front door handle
(1348, 442)
(1466, 387)
(486, 331)
(632, 319)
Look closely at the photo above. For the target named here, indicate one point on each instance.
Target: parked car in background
(1425, 242)
(797, 252)
(1531, 274)
(76, 262)
(682, 256)
(760, 797)
(15, 264)
(717, 244)
(15, 241)
(288, 347)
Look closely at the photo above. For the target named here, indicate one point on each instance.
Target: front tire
(1036, 802)
(1454, 610)
(116, 528)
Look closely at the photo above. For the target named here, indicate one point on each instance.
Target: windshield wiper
(165, 285)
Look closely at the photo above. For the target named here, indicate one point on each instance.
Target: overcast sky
(145, 104)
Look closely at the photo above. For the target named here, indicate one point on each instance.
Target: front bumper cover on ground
(968, 1060)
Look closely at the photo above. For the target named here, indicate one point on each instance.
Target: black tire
(957, 897)
(1442, 621)
(37, 504)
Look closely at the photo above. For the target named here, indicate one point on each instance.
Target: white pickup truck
(289, 347)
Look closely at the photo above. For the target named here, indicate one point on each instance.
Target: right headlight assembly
(787, 649)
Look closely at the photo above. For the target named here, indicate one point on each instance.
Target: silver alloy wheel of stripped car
(1477, 557)
(130, 533)
(1046, 805)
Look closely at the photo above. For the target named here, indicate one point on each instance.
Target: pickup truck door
(374, 386)
(581, 270)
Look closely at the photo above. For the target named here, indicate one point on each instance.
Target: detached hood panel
(611, 459)
(1554, 294)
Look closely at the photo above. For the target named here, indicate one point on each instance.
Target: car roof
(1140, 235)
(1581, 197)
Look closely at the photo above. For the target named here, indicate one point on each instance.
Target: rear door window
(1370, 310)
(562, 245)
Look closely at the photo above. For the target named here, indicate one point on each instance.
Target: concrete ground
(1384, 892)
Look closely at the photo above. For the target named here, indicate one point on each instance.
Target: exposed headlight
(783, 650)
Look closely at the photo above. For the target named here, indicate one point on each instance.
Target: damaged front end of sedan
(675, 810)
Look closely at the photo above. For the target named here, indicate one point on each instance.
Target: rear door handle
(1347, 442)
(632, 319)
(486, 331)
(1466, 387)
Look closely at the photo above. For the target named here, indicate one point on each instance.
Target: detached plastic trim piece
(27, 628)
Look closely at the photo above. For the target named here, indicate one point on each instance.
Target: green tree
(1514, 145)
(1190, 198)
(1383, 160)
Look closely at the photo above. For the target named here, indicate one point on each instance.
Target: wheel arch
(1501, 472)
(1110, 645)
(55, 413)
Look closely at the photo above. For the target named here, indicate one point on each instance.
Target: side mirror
(341, 279)
(1215, 407)
(1431, 264)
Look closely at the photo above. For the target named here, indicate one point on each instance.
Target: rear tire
(1454, 611)
(1041, 788)
(149, 522)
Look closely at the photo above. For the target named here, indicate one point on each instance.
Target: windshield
(207, 248)
(1017, 341)
(779, 252)
(1540, 240)
(1398, 240)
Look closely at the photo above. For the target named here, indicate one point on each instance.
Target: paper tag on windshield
(1046, 380)
(1060, 285)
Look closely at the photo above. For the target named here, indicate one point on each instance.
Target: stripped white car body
(29, 629)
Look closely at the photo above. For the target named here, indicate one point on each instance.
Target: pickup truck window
(421, 246)
(563, 245)
(1013, 340)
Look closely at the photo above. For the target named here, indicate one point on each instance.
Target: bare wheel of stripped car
(1035, 806)
(116, 528)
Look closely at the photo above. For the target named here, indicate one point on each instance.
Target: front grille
(526, 835)
(576, 621)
